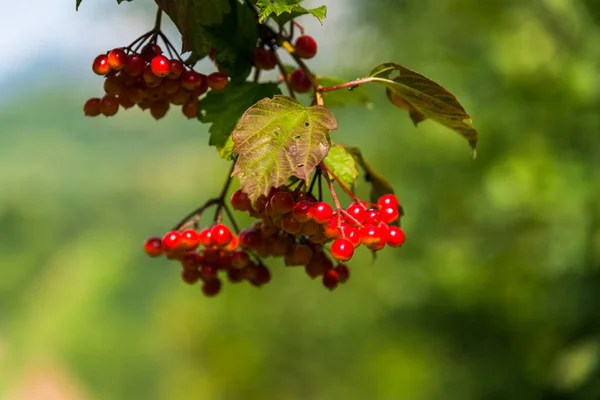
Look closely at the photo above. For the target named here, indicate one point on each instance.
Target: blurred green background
(495, 295)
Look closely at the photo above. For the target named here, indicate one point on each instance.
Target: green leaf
(343, 165)
(424, 98)
(286, 10)
(338, 98)
(379, 186)
(223, 108)
(191, 18)
(234, 40)
(279, 138)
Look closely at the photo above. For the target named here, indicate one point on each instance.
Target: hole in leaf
(300, 166)
(297, 137)
(307, 124)
(276, 133)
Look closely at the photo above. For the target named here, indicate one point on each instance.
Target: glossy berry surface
(220, 234)
(153, 246)
(342, 249)
(299, 81)
(306, 46)
(100, 65)
(160, 66)
(117, 58)
(264, 59)
(217, 81)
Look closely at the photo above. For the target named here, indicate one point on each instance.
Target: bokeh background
(496, 294)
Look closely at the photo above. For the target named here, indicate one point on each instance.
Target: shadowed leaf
(424, 98)
(279, 138)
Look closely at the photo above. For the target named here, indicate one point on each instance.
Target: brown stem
(196, 212)
(284, 74)
(326, 170)
(256, 75)
(158, 20)
(218, 212)
(339, 182)
(231, 218)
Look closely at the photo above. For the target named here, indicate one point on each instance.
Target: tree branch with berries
(276, 134)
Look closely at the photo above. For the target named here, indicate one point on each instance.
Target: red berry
(176, 69)
(395, 237)
(150, 79)
(113, 85)
(117, 58)
(220, 234)
(239, 259)
(387, 200)
(343, 272)
(211, 287)
(303, 211)
(358, 212)
(299, 81)
(299, 254)
(125, 101)
(189, 239)
(389, 214)
(371, 235)
(150, 51)
(217, 81)
(250, 239)
(91, 108)
(203, 88)
(134, 65)
(180, 97)
(290, 225)
(205, 237)
(153, 246)
(190, 109)
(322, 212)
(306, 46)
(159, 108)
(240, 201)
(350, 233)
(100, 65)
(331, 279)
(372, 217)
(261, 275)
(282, 202)
(342, 249)
(190, 276)
(171, 241)
(264, 58)
(109, 105)
(160, 66)
(191, 80)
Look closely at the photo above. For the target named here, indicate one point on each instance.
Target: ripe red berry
(303, 210)
(350, 233)
(190, 276)
(190, 109)
(189, 239)
(322, 212)
(395, 236)
(389, 214)
(299, 81)
(306, 46)
(160, 66)
(371, 235)
(109, 105)
(264, 58)
(190, 80)
(100, 65)
(290, 225)
(125, 101)
(150, 51)
(387, 200)
(217, 81)
(343, 272)
(211, 287)
(342, 249)
(91, 108)
(113, 85)
(134, 65)
(153, 246)
(240, 201)
(372, 217)
(358, 212)
(220, 234)
(261, 275)
(171, 241)
(176, 69)
(239, 259)
(117, 58)
(282, 202)
(331, 279)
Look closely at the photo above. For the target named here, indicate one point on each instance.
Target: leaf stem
(196, 212)
(351, 85)
(221, 198)
(326, 171)
(158, 20)
(283, 73)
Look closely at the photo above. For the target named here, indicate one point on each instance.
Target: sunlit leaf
(338, 98)
(223, 108)
(343, 165)
(424, 98)
(279, 138)
(286, 10)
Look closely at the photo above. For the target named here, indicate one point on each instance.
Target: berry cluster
(151, 81)
(203, 254)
